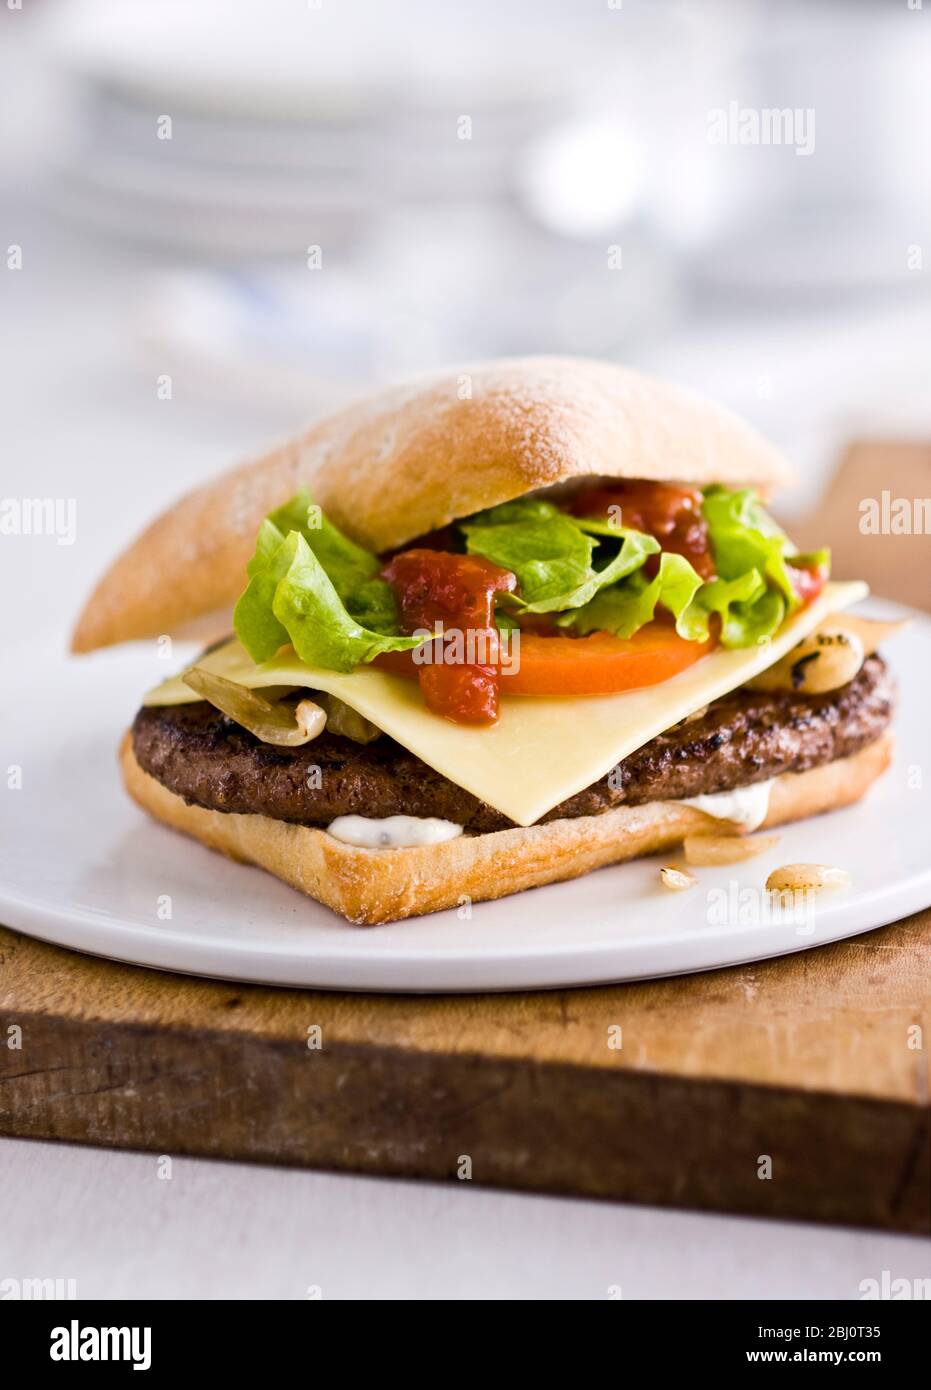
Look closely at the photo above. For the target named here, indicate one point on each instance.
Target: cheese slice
(542, 749)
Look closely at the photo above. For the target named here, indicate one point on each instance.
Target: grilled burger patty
(744, 737)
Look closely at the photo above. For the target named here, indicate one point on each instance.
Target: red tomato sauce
(458, 593)
(670, 513)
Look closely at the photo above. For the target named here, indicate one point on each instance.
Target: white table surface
(81, 419)
(231, 1230)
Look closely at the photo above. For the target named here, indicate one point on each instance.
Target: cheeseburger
(492, 630)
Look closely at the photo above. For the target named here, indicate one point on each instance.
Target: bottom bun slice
(369, 886)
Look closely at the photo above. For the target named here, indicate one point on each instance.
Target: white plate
(80, 865)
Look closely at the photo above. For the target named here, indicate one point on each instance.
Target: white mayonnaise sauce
(745, 806)
(394, 832)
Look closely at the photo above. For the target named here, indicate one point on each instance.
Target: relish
(458, 593)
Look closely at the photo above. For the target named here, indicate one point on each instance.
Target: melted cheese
(542, 749)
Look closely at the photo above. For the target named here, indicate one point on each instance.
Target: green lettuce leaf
(520, 509)
(626, 607)
(504, 622)
(745, 542)
(352, 570)
(812, 559)
(551, 554)
(594, 527)
(751, 623)
(312, 586)
(744, 538)
(306, 610)
(253, 620)
(750, 612)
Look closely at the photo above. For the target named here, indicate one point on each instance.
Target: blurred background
(234, 216)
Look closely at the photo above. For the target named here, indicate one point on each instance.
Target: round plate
(81, 866)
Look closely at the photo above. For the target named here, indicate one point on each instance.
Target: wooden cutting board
(872, 516)
(792, 1088)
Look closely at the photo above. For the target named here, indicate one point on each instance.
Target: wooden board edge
(560, 1128)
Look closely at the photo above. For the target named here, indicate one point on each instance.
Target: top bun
(412, 458)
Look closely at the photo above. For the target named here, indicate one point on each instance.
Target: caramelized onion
(678, 880)
(282, 724)
(343, 719)
(708, 850)
(806, 878)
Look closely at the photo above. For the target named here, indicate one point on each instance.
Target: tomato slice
(596, 665)
(600, 664)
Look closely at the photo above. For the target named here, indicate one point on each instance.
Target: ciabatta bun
(398, 464)
(373, 886)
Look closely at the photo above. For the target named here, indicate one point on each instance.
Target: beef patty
(744, 737)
